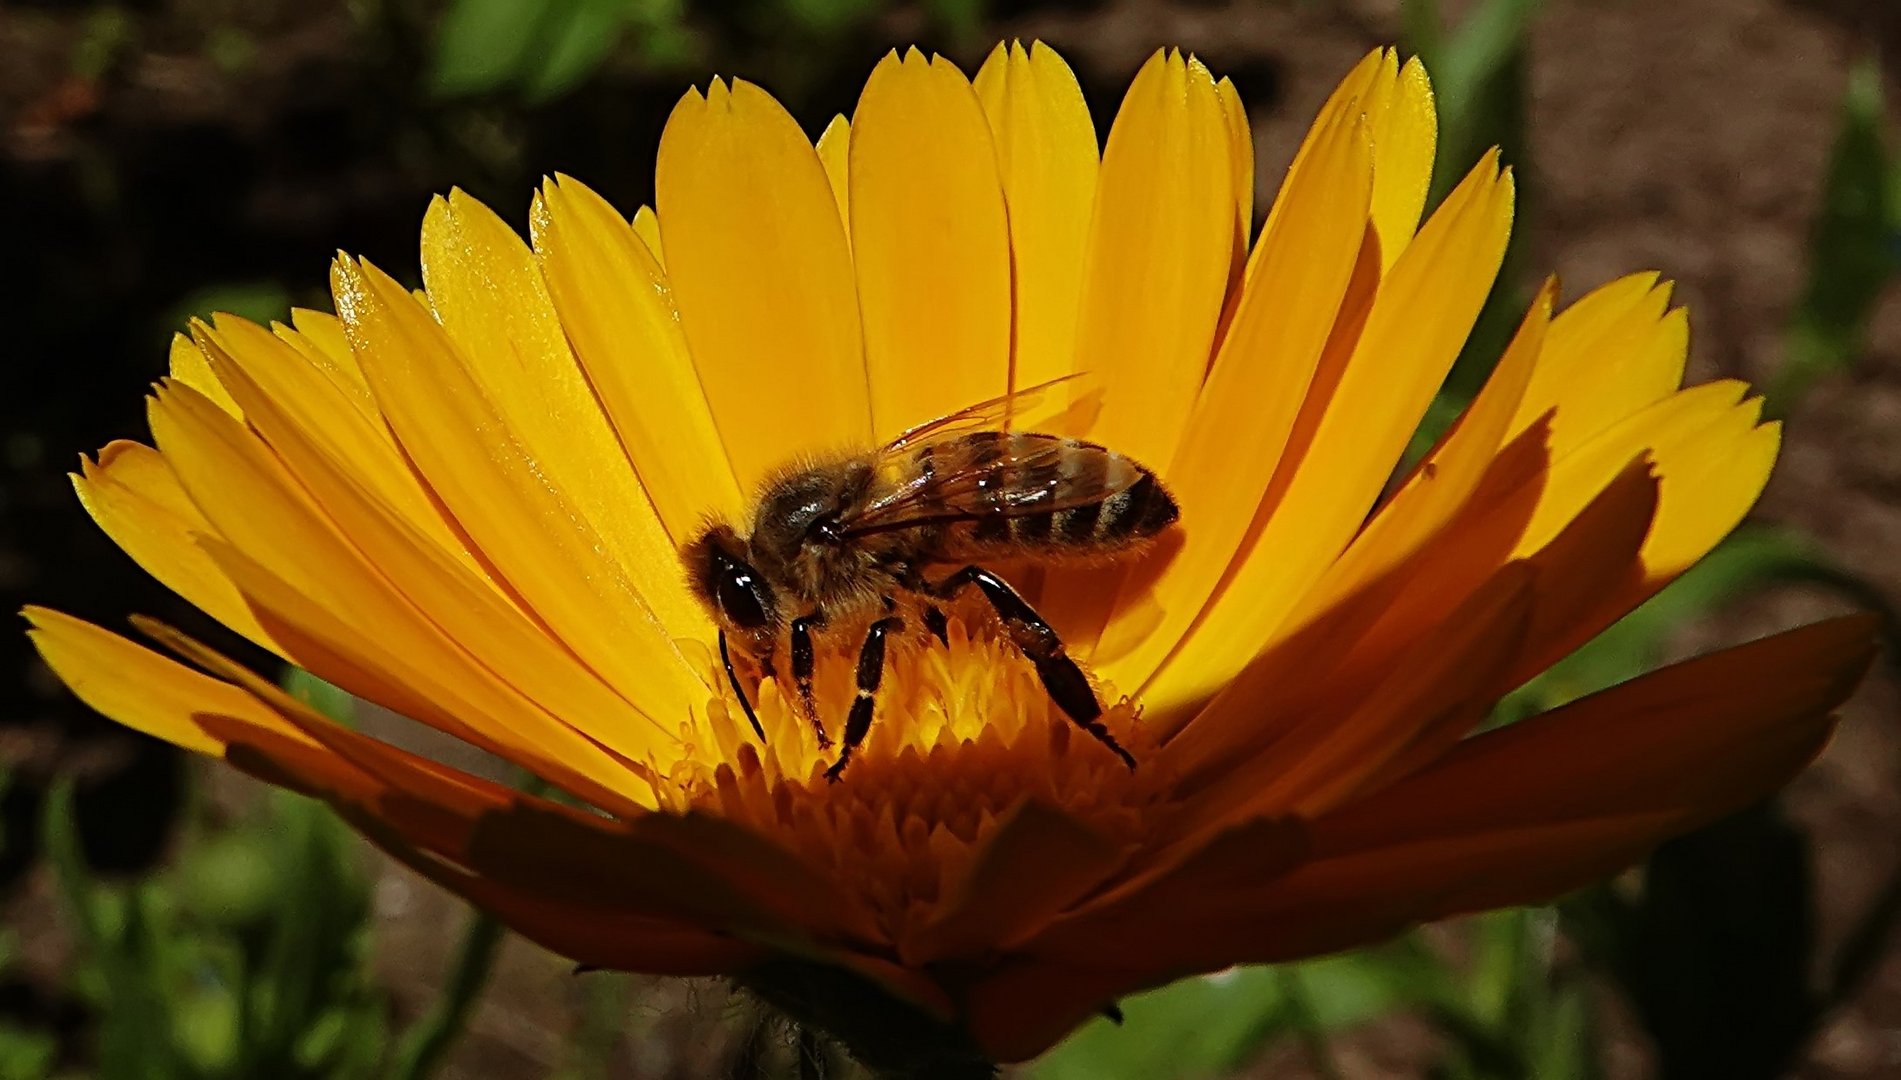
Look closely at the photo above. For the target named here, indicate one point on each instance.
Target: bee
(850, 544)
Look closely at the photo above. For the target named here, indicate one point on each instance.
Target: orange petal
(930, 242)
(1036, 863)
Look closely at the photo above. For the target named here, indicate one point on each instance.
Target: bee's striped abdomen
(1030, 493)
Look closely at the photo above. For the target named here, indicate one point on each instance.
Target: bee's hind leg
(1068, 687)
(804, 660)
(745, 706)
(870, 675)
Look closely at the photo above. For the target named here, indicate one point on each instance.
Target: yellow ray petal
(188, 366)
(240, 350)
(1046, 150)
(319, 337)
(646, 225)
(763, 279)
(1612, 353)
(615, 304)
(1241, 157)
(1405, 137)
(331, 610)
(133, 495)
(494, 306)
(1254, 391)
(139, 688)
(1448, 475)
(454, 595)
(1160, 245)
(526, 529)
(1418, 322)
(834, 152)
(930, 243)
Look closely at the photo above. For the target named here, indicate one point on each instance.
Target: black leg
(1067, 685)
(726, 658)
(803, 661)
(937, 624)
(870, 674)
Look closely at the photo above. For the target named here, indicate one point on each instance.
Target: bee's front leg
(804, 661)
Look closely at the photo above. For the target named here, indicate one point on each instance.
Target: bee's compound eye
(739, 594)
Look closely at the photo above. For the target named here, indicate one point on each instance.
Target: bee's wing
(994, 414)
(1034, 481)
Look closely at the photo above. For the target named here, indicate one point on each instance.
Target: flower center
(963, 733)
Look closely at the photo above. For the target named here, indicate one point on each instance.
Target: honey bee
(846, 545)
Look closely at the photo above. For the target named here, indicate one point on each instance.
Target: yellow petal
(1347, 440)
(1160, 246)
(321, 411)
(319, 337)
(615, 304)
(1046, 150)
(834, 152)
(1612, 353)
(188, 366)
(139, 688)
(489, 295)
(1244, 414)
(1448, 475)
(762, 277)
(134, 496)
(1405, 137)
(930, 242)
(647, 226)
(1241, 157)
(455, 596)
(525, 528)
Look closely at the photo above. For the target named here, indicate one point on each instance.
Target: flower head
(467, 504)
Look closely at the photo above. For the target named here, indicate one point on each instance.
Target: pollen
(964, 731)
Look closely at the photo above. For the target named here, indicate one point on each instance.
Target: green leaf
(483, 44)
(1852, 255)
(578, 36)
(331, 701)
(1211, 1025)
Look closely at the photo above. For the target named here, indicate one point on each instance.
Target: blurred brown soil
(1688, 137)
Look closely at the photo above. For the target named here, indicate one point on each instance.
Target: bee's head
(738, 596)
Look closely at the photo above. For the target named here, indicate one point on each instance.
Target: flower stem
(427, 1043)
(891, 1038)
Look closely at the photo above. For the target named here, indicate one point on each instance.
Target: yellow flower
(466, 504)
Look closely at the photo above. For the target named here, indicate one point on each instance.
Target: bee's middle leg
(870, 675)
(804, 661)
(1064, 681)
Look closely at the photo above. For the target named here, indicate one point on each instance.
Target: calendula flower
(467, 503)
